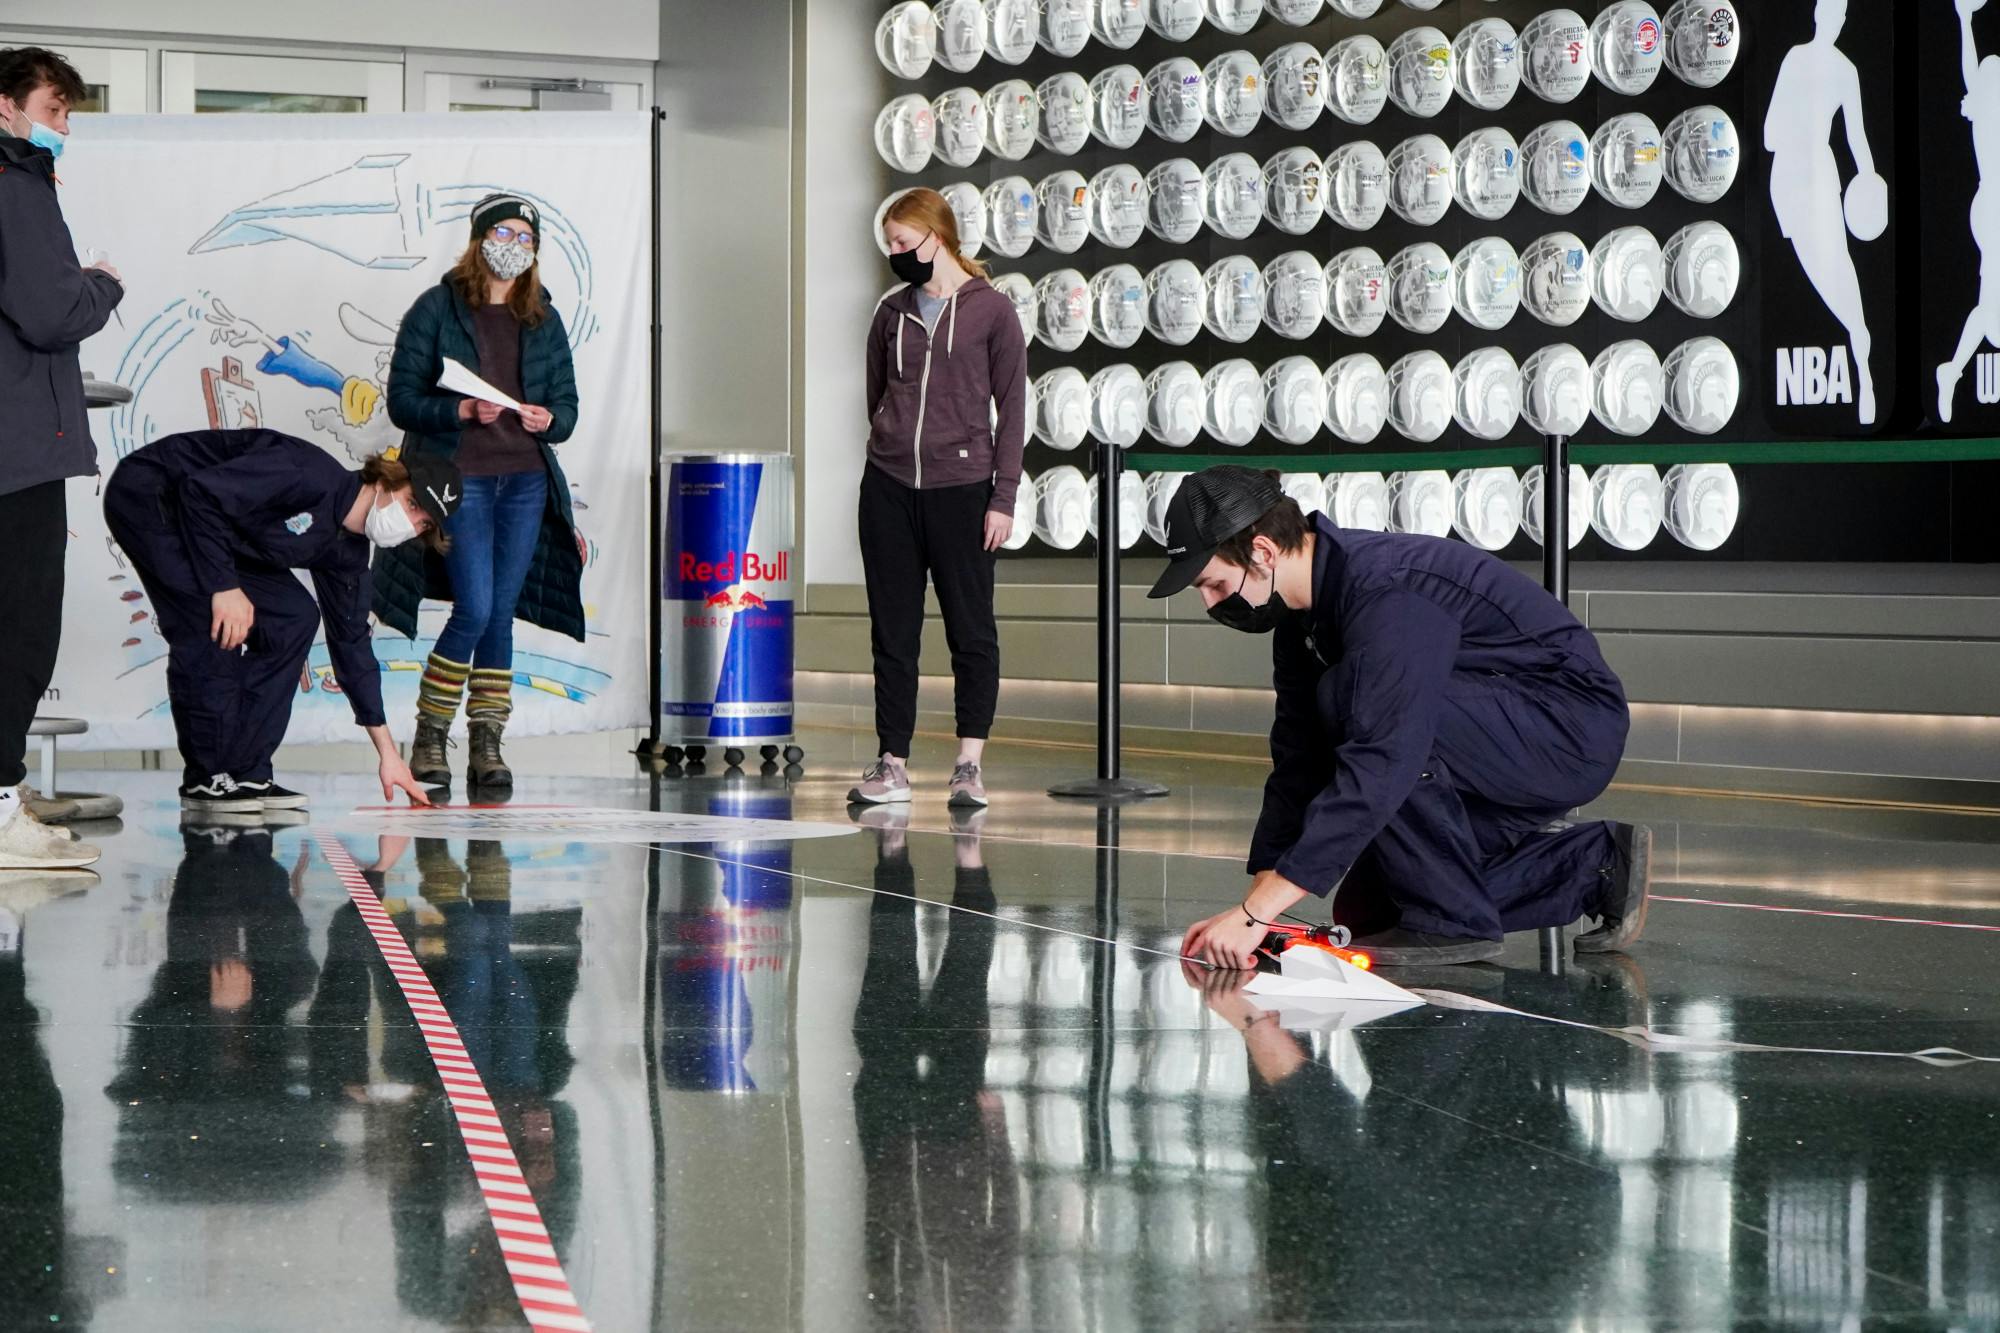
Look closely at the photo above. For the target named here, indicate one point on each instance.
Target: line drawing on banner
(1816, 82)
(362, 215)
(1980, 106)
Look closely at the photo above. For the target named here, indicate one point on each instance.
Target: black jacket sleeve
(1301, 748)
(415, 401)
(562, 402)
(1386, 694)
(215, 501)
(343, 605)
(51, 299)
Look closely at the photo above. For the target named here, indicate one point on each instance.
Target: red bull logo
(729, 600)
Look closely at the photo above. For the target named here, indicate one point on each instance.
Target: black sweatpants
(905, 535)
(36, 524)
(230, 708)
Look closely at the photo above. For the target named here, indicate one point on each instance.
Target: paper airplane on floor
(458, 379)
(1314, 975)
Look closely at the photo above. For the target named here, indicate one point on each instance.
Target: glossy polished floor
(893, 1080)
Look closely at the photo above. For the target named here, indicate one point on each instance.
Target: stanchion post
(652, 747)
(1108, 785)
(1555, 577)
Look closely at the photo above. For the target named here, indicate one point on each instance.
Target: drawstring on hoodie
(899, 349)
(951, 336)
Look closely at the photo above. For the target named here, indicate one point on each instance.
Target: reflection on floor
(898, 1080)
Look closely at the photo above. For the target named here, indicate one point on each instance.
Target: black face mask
(1238, 614)
(905, 265)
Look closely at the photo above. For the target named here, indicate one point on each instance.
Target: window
(114, 77)
(204, 81)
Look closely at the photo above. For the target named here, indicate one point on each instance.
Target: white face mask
(507, 260)
(389, 525)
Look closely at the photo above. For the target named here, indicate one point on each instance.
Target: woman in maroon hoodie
(937, 496)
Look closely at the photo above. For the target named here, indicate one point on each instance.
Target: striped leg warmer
(443, 686)
(492, 695)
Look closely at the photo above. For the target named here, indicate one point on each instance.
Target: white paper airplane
(1308, 974)
(458, 379)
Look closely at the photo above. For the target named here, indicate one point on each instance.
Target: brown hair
(26, 68)
(389, 473)
(1284, 523)
(525, 302)
(926, 208)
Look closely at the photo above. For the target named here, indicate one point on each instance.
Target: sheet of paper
(458, 379)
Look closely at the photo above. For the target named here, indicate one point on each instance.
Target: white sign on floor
(565, 823)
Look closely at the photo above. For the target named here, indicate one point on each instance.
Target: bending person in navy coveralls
(215, 522)
(1438, 716)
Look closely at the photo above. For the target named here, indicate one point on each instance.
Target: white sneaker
(26, 845)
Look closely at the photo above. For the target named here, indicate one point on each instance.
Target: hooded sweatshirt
(932, 392)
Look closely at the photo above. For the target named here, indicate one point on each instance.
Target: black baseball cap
(436, 484)
(1210, 507)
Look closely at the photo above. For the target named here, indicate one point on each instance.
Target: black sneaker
(273, 796)
(1414, 948)
(221, 795)
(1628, 887)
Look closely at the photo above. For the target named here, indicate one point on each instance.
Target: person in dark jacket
(1438, 715)
(947, 421)
(49, 303)
(215, 522)
(516, 529)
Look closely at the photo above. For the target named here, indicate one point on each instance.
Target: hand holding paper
(458, 379)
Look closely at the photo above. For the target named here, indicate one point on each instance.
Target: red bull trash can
(726, 613)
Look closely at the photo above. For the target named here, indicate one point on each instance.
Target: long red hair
(926, 208)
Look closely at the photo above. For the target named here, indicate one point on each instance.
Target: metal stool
(92, 805)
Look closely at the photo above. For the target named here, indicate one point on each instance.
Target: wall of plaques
(1331, 236)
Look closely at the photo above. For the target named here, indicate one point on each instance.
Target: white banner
(268, 261)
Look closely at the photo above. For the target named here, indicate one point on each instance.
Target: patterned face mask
(508, 262)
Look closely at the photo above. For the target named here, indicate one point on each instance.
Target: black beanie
(496, 208)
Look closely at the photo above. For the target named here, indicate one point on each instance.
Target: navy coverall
(1437, 711)
(207, 511)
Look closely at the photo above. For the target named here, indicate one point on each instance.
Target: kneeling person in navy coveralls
(215, 522)
(1438, 715)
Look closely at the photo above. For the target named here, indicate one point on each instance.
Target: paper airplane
(458, 379)
(355, 212)
(1315, 975)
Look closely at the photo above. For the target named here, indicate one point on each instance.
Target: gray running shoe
(968, 787)
(885, 780)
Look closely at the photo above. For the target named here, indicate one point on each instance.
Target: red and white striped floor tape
(532, 1263)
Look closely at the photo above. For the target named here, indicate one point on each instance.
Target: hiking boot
(273, 796)
(968, 787)
(220, 795)
(429, 764)
(884, 781)
(1414, 948)
(48, 809)
(1628, 887)
(487, 767)
(28, 845)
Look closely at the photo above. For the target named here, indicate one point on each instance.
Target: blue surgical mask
(41, 136)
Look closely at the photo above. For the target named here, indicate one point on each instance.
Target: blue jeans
(493, 538)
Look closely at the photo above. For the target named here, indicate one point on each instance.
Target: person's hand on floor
(1227, 939)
